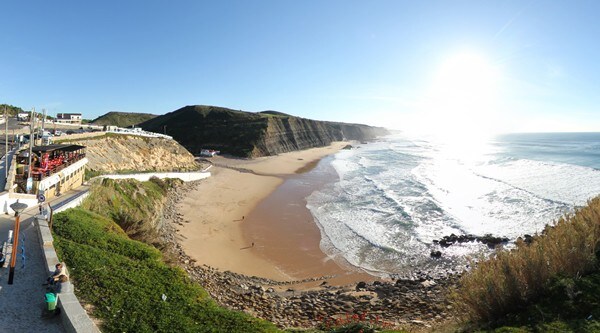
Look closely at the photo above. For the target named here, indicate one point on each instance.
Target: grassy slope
(122, 119)
(124, 280)
(131, 204)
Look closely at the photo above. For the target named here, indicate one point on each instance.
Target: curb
(74, 317)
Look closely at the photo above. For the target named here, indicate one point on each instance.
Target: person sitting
(56, 286)
(58, 272)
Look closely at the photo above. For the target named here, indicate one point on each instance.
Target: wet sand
(244, 202)
(285, 233)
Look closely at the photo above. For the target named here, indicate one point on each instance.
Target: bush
(512, 280)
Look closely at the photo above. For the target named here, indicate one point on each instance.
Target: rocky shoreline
(420, 302)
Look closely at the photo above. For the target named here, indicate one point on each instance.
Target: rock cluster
(488, 239)
(404, 302)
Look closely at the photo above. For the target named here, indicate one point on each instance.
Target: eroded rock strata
(249, 134)
(115, 152)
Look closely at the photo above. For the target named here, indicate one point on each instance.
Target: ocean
(395, 196)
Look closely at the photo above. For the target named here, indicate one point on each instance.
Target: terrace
(46, 161)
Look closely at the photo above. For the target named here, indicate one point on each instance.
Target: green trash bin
(51, 301)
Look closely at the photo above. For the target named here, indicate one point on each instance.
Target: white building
(68, 118)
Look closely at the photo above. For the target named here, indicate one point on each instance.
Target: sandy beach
(232, 227)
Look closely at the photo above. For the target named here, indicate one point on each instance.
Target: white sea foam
(395, 197)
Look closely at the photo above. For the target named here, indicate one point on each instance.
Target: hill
(249, 134)
(10, 109)
(122, 119)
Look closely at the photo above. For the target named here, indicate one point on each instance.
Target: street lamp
(18, 207)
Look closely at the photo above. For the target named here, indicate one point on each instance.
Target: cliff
(249, 134)
(115, 152)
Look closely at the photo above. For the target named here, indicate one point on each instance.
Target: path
(22, 303)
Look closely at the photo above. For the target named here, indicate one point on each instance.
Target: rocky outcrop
(115, 152)
(249, 134)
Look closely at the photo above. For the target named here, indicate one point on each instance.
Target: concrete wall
(7, 199)
(58, 139)
(65, 180)
(74, 317)
(185, 176)
(73, 203)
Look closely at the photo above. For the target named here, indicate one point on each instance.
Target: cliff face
(253, 134)
(112, 153)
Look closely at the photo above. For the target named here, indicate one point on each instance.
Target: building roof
(44, 149)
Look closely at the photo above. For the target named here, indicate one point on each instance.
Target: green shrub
(125, 280)
(513, 280)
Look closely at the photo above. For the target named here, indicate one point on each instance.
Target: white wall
(73, 203)
(185, 176)
(7, 199)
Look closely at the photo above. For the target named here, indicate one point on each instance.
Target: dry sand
(223, 224)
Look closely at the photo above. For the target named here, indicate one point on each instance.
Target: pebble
(419, 301)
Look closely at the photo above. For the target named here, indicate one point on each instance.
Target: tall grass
(135, 206)
(513, 279)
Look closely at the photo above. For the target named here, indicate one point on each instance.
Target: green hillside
(201, 126)
(10, 109)
(122, 119)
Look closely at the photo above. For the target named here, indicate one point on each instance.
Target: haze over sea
(395, 196)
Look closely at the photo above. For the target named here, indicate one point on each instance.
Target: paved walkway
(22, 304)
(3, 163)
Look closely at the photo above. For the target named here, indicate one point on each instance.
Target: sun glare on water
(460, 105)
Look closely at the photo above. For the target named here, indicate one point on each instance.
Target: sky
(437, 66)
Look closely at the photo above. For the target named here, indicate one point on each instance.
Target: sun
(461, 100)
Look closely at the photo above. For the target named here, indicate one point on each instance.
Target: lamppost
(18, 207)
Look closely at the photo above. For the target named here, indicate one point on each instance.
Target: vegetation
(133, 205)
(122, 119)
(209, 127)
(250, 134)
(553, 281)
(128, 286)
(10, 109)
(274, 114)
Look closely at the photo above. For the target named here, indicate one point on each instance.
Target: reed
(512, 280)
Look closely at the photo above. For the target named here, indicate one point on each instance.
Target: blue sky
(522, 66)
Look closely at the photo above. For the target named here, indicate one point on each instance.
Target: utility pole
(5, 145)
(31, 142)
(43, 122)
